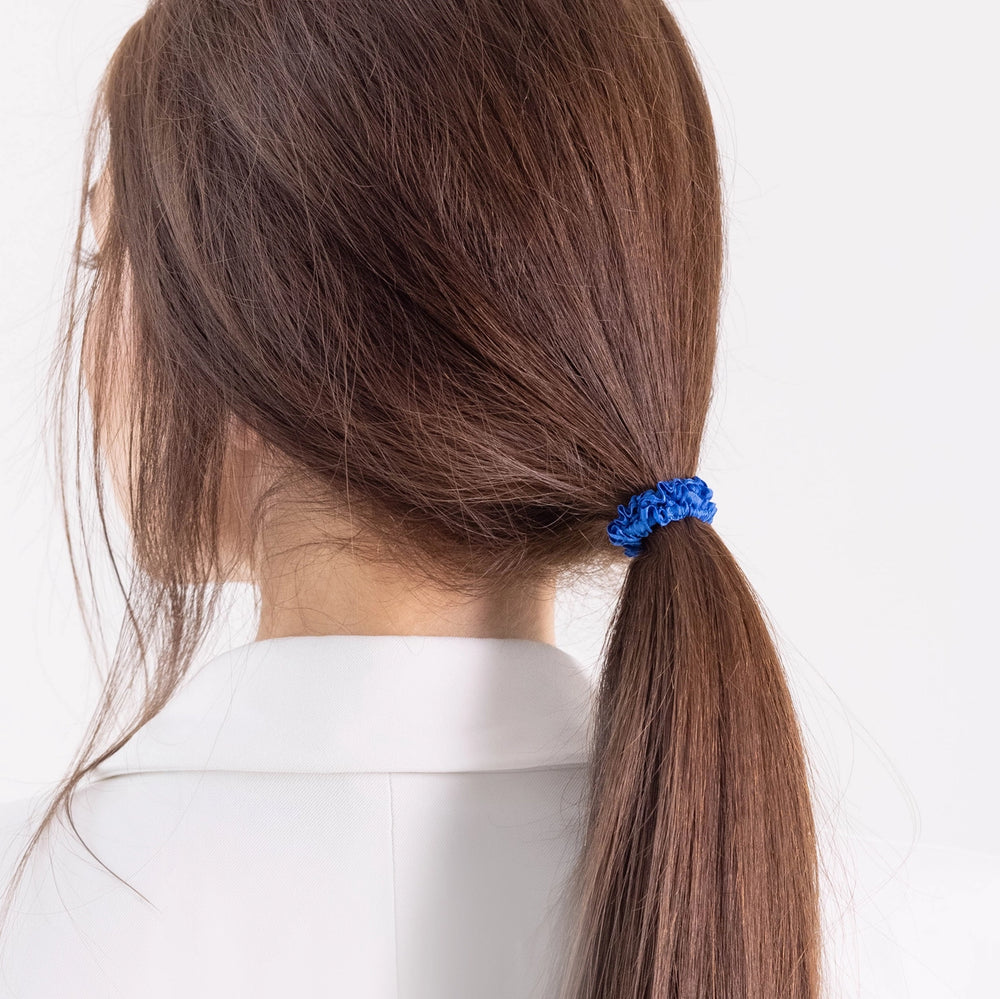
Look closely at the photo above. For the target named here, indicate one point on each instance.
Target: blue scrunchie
(669, 499)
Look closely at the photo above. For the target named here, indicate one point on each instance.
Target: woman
(401, 314)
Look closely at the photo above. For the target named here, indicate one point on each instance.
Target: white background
(849, 447)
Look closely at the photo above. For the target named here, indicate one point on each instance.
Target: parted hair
(457, 265)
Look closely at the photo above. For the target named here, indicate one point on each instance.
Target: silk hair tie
(668, 500)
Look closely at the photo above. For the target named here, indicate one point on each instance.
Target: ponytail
(698, 877)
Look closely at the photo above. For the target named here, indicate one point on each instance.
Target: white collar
(376, 703)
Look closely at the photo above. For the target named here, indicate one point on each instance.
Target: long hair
(458, 266)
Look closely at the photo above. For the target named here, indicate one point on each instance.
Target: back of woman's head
(458, 267)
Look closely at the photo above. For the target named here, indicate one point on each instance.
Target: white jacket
(356, 816)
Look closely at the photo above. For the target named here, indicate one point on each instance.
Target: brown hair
(458, 265)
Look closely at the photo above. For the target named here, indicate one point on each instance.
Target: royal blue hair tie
(669, 499)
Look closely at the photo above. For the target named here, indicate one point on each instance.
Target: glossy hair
(459, 266)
